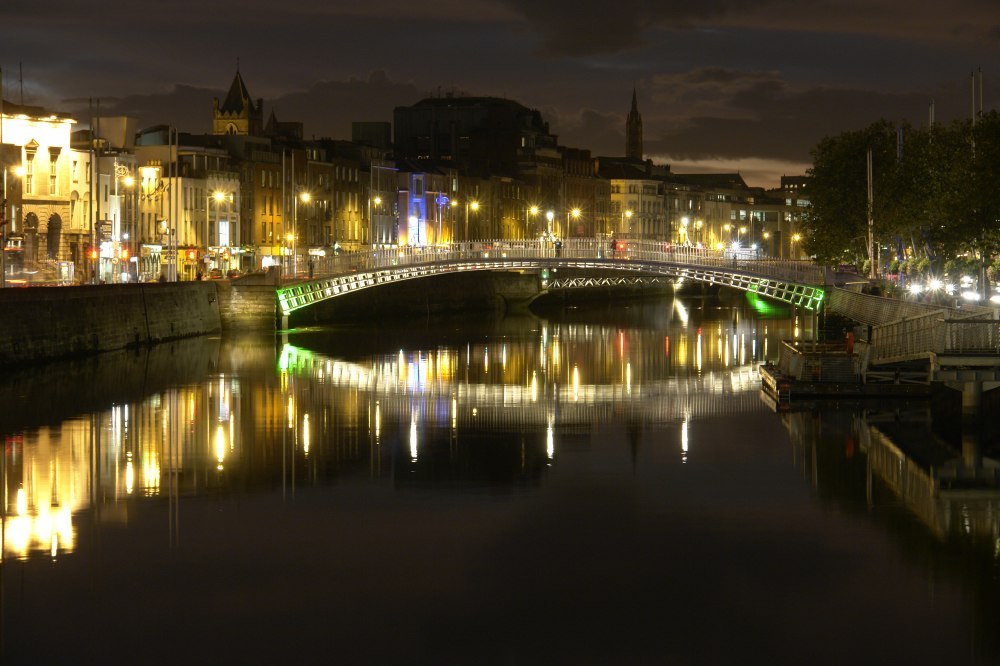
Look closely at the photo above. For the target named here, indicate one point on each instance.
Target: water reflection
(624, 456)
(940, 504)
(206, 417)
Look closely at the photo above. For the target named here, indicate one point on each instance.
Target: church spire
(633, 131)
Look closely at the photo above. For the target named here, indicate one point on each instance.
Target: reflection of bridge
(796, 282)
(451, 401)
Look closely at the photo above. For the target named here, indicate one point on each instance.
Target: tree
(964, 193)
(836, 224)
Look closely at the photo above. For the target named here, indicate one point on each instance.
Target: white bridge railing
(936, 333)
(599, 250)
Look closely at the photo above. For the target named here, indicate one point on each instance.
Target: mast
(873, 268)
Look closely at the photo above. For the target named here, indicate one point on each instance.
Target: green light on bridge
(764, 307)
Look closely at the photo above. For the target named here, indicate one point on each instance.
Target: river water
(596, 485)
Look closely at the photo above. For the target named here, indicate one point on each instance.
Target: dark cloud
(326, 109)
(720, 79)
(591, 27)
(586, 27)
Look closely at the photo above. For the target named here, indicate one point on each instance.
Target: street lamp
(19, 172)
(549, 216)
(533, 212)
(627, 215)
(219, 196)
(474, 205)
(294, 236)
(575, 214)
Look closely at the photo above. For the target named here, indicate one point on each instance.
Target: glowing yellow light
(413, 438)
(550, 439)
(129, 477)
(305, 433)
(575, 213)
(220, 443)
(22, 502)
(305, 197)
(474, 205)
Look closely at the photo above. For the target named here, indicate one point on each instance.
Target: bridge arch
(796, 282)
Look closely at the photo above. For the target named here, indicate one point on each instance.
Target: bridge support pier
(972, 398)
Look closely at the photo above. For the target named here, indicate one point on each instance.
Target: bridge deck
(797, 282)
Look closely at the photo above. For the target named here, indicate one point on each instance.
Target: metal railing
(590, 249)
(936, 333)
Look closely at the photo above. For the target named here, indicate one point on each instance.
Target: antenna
(980, 92)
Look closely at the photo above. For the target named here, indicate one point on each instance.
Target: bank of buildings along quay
(100, 199)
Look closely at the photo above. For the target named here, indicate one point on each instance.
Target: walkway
(800, 283)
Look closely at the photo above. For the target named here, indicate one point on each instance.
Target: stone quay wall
(43, 323)
(249, 303)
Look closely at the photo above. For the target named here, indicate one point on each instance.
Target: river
(601, 484)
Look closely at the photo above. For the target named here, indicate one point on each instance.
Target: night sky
(722, 85)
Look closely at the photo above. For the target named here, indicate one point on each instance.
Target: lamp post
(294, 236)
(474, 205)
(533, 213)
(549, 216)
(627, 218)
(18, 172)
(574, 214)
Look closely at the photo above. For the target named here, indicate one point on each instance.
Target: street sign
(104, 230)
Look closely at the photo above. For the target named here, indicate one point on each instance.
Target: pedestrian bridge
(800, 283)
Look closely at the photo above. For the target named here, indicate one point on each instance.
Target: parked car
(215, 274)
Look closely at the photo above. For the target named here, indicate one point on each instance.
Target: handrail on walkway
(800, 272)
